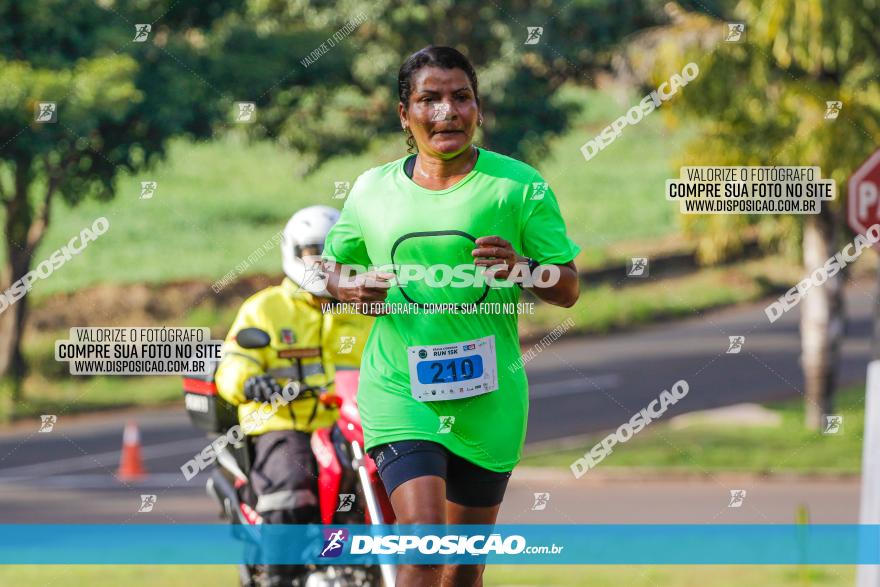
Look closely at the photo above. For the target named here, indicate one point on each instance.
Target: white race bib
(453, 371)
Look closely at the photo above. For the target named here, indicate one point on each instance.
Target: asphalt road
(578, 385)
(582, 386)
(570, 502)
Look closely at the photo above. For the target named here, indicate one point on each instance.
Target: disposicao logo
(334, 542)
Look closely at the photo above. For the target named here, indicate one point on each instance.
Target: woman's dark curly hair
(445, 57)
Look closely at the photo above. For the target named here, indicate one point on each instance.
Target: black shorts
(467, 484)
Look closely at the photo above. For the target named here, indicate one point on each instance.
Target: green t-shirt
(388, 218)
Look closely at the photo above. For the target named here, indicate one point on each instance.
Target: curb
(667, 265)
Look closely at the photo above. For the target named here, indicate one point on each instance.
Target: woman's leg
(467, 575)
(474, 497)
(415, 473)
(420, 501)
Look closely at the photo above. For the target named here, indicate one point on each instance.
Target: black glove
(261, 388)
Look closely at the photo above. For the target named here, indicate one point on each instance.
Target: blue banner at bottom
(433, 544)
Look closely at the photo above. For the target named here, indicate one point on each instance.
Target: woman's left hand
(493, 250)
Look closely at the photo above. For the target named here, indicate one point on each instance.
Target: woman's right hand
(366, 291)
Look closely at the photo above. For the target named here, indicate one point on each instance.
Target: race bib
(453, 371)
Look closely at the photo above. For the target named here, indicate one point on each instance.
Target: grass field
(495, 576)
(217, 202)
(788, 447)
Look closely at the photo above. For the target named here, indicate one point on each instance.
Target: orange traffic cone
(131, 466)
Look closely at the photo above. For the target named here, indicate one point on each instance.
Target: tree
(762, 102)
(518, 82)
(117, 103)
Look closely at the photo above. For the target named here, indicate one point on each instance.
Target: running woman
(443, 404)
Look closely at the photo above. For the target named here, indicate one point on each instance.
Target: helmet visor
(308, 250)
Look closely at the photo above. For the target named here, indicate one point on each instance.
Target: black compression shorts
(467, 484)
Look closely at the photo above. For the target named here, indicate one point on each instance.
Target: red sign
(863, 197)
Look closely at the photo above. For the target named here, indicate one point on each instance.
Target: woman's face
(442, 112)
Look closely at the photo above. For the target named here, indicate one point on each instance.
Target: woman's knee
(428, 517)
(419, 576)
(462, 575)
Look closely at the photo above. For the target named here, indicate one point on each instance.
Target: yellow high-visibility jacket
(306, 345)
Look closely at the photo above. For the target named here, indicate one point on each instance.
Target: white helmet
(306, 229)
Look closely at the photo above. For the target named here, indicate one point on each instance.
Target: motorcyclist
(308, 344)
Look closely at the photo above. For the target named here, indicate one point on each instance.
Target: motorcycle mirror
(252, 338)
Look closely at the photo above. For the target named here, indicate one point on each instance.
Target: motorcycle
(349, 488)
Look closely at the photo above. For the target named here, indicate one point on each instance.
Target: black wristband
(533, 264)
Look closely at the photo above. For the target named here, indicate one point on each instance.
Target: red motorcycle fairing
(349, 421)
(329, 473)
(330, 468)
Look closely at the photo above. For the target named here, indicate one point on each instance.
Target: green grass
(500, 575)
(217, 202)
(91, 394)
(788, 447)
(619, 193)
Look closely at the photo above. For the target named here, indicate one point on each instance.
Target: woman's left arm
(493, 250)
